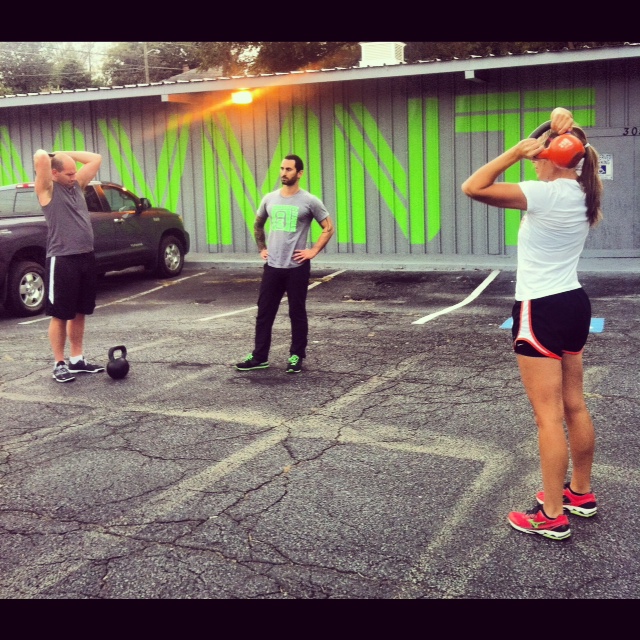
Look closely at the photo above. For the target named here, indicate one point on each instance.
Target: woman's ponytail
(589, 178)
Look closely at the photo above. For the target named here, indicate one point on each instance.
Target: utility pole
(146, 62)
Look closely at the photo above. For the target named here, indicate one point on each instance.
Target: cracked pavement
(384, 470)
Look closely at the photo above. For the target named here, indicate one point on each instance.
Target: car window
(6, 200)
(17, 202)
(119, 200)
(91, 197)
(27, 202)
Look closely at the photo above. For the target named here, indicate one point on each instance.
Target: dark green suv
(128, 232)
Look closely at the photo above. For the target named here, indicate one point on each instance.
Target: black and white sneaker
(82, 366)
(61, 373)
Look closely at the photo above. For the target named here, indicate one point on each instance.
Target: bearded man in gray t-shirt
(288, 263)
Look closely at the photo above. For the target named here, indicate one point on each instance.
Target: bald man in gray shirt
(70, 274)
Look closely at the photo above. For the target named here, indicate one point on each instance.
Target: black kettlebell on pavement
(118, 367)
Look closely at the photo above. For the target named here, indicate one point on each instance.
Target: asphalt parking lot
(385, 470)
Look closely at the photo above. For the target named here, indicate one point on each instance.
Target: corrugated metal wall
(387, 156)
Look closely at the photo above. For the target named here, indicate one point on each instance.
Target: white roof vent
(376, 54)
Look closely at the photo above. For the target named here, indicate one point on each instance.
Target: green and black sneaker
(294, 364)
(250, 363)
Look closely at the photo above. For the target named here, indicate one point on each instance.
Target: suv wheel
(170, 257)
(25, 291)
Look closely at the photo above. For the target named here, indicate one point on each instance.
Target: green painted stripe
(358, 202)
(177, 170)
(512, 125)
(225, 221)
(209, 185)
(569, 98)
(384, 186)
(245, 175)
(119, 145)
(223, 140)
(354, 217)
(223, 172)
(314, 150)
(585, 117)
(434, 214)
(117, 159)
(488, 102)
(356, 207)
(272, 179)
(171, 161)
(398, 175)
(164, 164)
(169, 168)
(299, 142)
(68, 137)
(314, 163)
(341, 189)
(11, 167)
(416, 155)
(512, 217)
(481, 123)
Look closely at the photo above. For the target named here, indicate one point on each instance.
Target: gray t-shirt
(68, 221)
(291, 219)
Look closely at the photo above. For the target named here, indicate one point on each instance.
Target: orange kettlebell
(565, 151)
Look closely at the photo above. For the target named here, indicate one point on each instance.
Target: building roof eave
(166, 88)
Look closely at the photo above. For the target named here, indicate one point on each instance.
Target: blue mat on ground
(596, 326)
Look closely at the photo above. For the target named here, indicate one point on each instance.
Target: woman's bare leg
(543, 381)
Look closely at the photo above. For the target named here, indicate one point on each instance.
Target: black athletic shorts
(552, 326)
(71, 283)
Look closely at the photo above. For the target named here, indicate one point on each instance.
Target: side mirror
(144, 204)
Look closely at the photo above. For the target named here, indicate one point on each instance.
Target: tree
(237, 58)
(73, 75)
(231, 58)
(273, 57)
(140, 62)
(25, 67)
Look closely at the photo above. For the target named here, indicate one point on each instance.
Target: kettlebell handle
(538, 131)
(120, 348)
(543, 128)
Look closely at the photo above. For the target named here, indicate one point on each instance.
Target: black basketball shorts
(71, 283)
(551, 326)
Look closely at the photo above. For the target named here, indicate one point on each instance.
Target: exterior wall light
(242, 97)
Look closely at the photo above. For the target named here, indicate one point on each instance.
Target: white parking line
(326, 278)
(229, 313)
(233, 313)
(168, 283)
(467, 300)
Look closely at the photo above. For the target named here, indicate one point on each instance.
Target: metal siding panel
(619, 231)
(398, 132)
(192, 206)
(365, 208)
(326, 101)
(441, 90)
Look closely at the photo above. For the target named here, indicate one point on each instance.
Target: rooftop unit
(378, 54)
